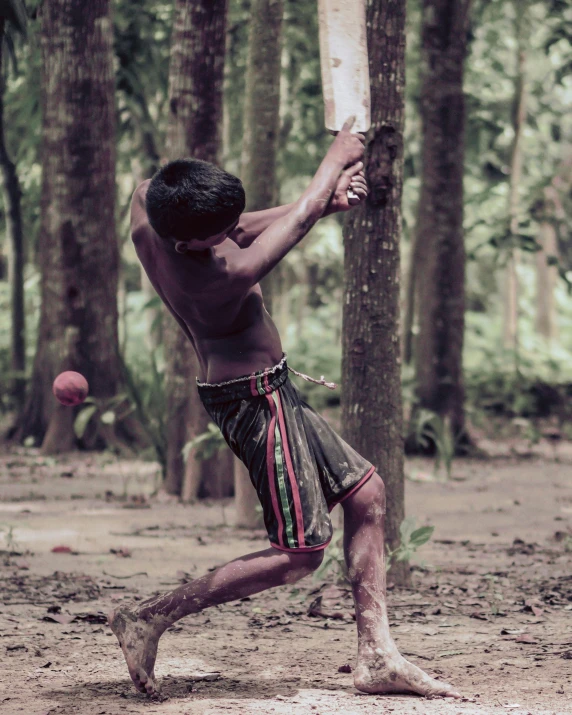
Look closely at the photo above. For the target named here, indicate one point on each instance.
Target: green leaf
(421, 536)
(83, 419)
(108, 418)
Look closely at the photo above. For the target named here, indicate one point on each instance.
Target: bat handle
(352, 195)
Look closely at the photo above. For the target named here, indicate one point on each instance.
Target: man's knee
(373, 491)
(302, 564)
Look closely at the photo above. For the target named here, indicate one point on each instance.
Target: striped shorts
(300, 467)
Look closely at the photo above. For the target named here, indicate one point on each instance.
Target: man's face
(196, 245)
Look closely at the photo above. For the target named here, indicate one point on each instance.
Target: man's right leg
(138, 630)
(380, 668)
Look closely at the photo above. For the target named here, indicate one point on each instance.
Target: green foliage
(430, 430)
(101, 413)
(206, 444)
(411, 540)
(334, 564)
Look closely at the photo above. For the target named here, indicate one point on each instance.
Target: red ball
(70, 388)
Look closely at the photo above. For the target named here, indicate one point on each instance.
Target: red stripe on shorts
(293, 482)
(270, 471)
(253, 389)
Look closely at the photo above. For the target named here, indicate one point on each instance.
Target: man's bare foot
(388, 672)
(138, 640)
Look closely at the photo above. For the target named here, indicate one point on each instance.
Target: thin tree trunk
(15, 236)
(371, 397)
(511, 288)
(195, 117)
(260, 144)
(410, 304)
(439, 241)
(546, 280)
(262, 114)
(78, 249)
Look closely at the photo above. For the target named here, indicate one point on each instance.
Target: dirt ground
(490, 609)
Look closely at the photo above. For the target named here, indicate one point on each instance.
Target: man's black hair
(189, 198)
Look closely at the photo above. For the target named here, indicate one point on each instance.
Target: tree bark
(440, 239)
(78, 250)
(262, 114)
(259, 149)
(511, 288)
(15, 236)
(410, 305)
(195, 118)
(547, 213)
(547, 278)
(371, 396)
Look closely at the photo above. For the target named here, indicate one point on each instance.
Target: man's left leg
(138, 630)
(380, 668)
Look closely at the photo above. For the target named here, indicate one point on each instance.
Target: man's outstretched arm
(252, 224)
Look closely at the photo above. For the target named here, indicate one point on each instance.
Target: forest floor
(489, 609)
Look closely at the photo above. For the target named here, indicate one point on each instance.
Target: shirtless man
(205, 259)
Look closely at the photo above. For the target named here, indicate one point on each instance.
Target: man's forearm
(252, 224)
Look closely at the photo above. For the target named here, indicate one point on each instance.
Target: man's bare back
(227, 323)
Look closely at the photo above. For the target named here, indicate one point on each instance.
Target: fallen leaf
(525, 638)
(121, 551)
(62, 549)
(347, 668)
(481, 615)
(447, 653)
(46, 665)
(204, 676)
(63, 618)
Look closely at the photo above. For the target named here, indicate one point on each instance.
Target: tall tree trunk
(511, 289)
(546, 280)
(440, 239)
(15, 236)
(548, 211)
(410, 305)
(195, 117)
(262, 113)
(371, 397)
(78, 249)
(260, 144)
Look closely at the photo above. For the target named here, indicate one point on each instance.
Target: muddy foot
(138, 640)
(380, 672)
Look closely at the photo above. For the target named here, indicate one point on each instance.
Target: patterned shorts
(300, 467)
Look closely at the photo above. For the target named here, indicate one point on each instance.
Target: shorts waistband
(261, 382)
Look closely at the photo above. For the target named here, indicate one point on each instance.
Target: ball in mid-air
(70, 388)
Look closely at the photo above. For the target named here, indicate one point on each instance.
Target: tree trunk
(195, 117)
(371, 397)
(262, 114)
(260, 144)
(78, 250)
(547, 212)
(547, 278)
(511, 291)
(410, 306)
(15, 236)
(440, 239)
(247, 515)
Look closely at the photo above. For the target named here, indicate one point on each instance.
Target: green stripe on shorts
(281, 481)
(261, 390)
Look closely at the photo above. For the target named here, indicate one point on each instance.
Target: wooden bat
(344, 64)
